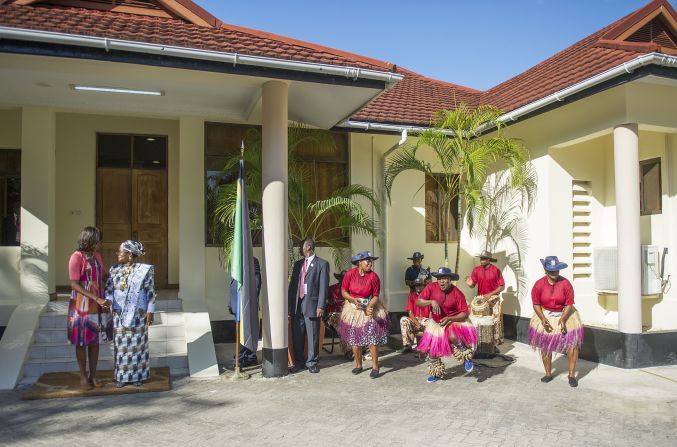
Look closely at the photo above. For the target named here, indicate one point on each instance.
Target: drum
(486, 344)
(479, 308)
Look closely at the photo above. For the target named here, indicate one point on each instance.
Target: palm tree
(328, 220)
(501, 216)
(463, 161)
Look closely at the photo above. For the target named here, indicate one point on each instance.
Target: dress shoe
(314, 369)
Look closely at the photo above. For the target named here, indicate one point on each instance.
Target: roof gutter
(659, 59)
(191, 53)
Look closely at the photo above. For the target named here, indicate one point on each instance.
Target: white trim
(660, 59)
(190, 53)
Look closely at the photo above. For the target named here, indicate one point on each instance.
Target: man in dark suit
(307, 299)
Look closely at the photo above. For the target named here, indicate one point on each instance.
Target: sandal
(546, 379)
(374, 374)
(356, 371)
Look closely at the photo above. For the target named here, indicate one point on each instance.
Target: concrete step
(58, 320)
(169, 305)
(35, 368)
(157, 332)
(64, 350)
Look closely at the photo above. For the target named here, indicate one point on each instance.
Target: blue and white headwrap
(133, 247)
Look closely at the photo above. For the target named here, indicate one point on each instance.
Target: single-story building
(136, 103)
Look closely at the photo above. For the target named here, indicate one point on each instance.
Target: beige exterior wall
(76, 179)
(573, 142)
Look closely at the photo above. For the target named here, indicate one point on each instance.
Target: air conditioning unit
(605, 265)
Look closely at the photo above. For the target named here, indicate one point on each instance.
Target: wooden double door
(131, 203)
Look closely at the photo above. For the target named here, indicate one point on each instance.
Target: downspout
(386, 261)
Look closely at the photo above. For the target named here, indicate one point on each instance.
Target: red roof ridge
(388, 66)
(645, 13)
(408, 72)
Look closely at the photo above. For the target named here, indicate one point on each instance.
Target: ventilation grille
(581, 237)
(657, 32)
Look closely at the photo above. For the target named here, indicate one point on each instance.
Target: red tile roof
(415, 99)
(412, 101)
(177, 32)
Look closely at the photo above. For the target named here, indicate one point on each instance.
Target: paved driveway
(499, 405)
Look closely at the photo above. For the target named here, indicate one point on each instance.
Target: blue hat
(552, 264)
(361, 256)
(445, 272)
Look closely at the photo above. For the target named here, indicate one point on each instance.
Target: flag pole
(237, 373)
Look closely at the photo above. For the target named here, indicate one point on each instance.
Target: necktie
(304, 269)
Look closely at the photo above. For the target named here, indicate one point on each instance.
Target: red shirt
(487, 279)
(358, 286)
(552, 297)
(335, 300)
(419, 312)
(452, 303)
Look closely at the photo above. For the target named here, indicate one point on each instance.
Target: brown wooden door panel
(132, 204)
(149, 218)
(113, 210)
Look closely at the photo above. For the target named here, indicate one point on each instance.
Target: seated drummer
(413, 323)
(448, 331)
(490, 284)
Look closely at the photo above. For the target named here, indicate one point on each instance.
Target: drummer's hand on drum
(436, 308)
(445, 321)
(370, 311)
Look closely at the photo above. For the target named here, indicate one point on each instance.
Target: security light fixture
(92, 88)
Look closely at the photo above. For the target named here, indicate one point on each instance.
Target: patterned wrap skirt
(435, 340)
(549, 342)
(358, 329)
(132, 355)
(86, 324)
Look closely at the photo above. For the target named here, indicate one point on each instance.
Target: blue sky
(477, 43)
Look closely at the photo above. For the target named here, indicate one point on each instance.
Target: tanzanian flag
(242, 270)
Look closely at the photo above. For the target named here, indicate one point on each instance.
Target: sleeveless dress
(86, 323)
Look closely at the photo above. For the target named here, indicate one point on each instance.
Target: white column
(274, 304)
(38, 185)
(626, 174)
(200, 344)
(36, 259)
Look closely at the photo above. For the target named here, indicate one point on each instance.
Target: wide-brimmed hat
(340, 275)
(419, 281)
(486, 254)
(361, 256)
(445, 272)
(416, 255)
(553, 264)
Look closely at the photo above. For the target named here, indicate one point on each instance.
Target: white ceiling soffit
(47, 81)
